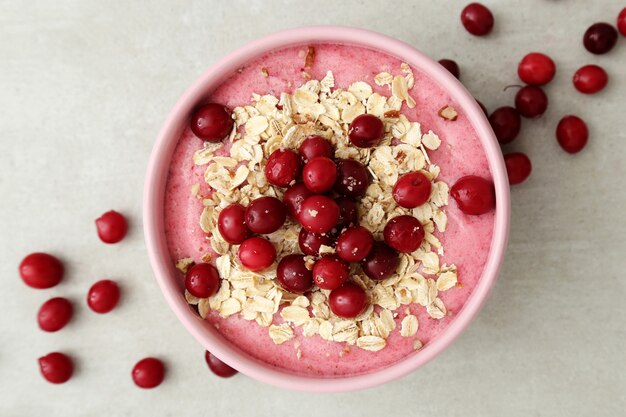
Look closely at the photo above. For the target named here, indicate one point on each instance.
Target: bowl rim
(156, 177)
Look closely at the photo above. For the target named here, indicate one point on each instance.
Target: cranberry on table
(348, 213)
(536, 69)
(265, 215)
(148, 373)
(518, 167)
(319, 214)
(202, 280)
(531, 101)
(330, 272)
(381, 263)
(310, 242)
(54, 314)
(572, 134)
(590, 79)
(451, 66)
(315, 146)
(412, 190)
(111, 226)
(293, 198)
(600, 38)
(506, 124)
(218, 367)
(404, 233)
(103, 296)
(211, 122)
(621, 22)
(56, 367)
(293, 275)
(352, 178)
(366, 131)
(354, 244)
(319, 174)
(348, 301)
(474, 195)
(283, 167)
(477, 19)
(232, 224)
(41, 270)
(256, 254)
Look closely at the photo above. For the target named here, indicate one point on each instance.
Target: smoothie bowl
(326, 209)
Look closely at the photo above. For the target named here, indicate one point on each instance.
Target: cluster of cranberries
(321, 194)
(537, 70)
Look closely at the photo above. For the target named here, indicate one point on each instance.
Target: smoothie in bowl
(328, 213)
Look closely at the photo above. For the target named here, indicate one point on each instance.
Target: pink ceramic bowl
(169, 279)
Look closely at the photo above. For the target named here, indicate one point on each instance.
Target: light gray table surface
(84, 88)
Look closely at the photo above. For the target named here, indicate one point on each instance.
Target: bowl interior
(168, 277)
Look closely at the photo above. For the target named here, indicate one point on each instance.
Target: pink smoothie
(466, 241)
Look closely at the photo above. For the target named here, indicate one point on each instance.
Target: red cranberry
(319, 174)
(381, 263)
(293, 198)
(54, 314)
(536, 69)
(474, 195)
(621, 22)
(451, 66)
(572, 134)
(256, 254)
(412, 190)
(283, 167)
(600, 38)
(506, 124)
(366, 131)
(202, 280)
(310, 242)
(211, 122)
(531, 101)
(518, 167)
(265, 215)
(330, 272)
(232, 224)
(148, 373)
(352, 178)
(56, 367)
(293, 274)
(477, 19)
(111, 226)
(348, 213)
(354, 244)
(590, 79)
(103, 296)
(319, 214)
(315, 146)
(347, 301)
(218, 367)
(404, 233)
(40, 270)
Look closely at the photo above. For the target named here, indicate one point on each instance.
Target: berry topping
(590, 79)
(330, 272)
(54, 314)
(310, 242)
(477, 19)
(283, 167)
(531, 101)
(202, 280)
(381, 263)
(366, 131)
(348, 213)
(293, 274)
(572, 134)
(319, 214)
(474, 195)
(319, 174)
(232, 224)
(265, 215)
(56, 367)
(40, 270)
(211, 122)
(354, 244)
(218, 367)
(111, 226)
(412, 190)
(404, 233)
(256, 254)
(506, 124)
(536, 69)
(600, 38)
(315, 146)
(293, 198)
(148, 373)
(348, 301)
(352, 178)
(518, 167)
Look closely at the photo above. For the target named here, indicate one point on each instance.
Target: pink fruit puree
(466, 241)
